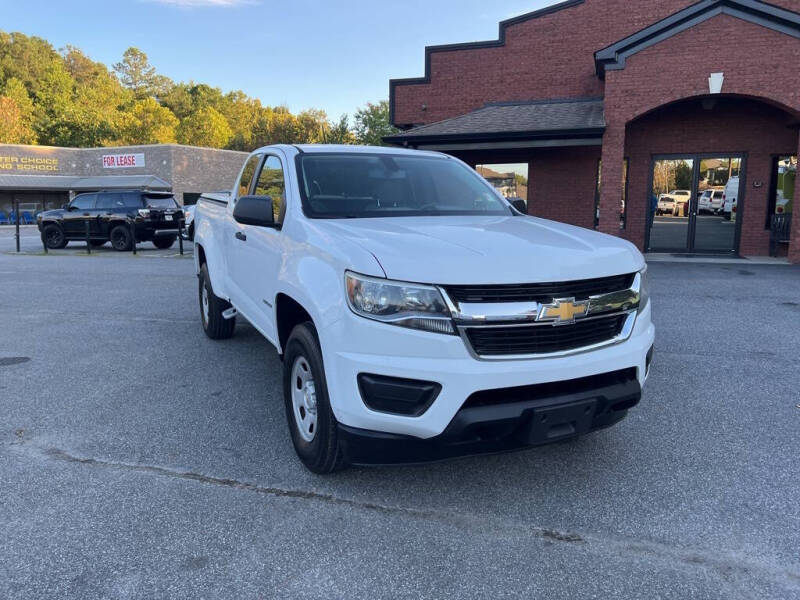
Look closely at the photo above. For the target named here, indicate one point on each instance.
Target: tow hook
(229, 314)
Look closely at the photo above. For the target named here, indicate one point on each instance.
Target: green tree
(205, 127)
(339, 132)
(138, 75)
(149, 123)
(371, 124)
(27, 59)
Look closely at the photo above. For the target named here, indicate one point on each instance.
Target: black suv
(156, 216)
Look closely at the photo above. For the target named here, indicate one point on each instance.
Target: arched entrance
(701, 172)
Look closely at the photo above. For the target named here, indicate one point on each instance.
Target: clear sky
(330, 54)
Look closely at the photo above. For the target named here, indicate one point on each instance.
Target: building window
(510, 179)
(781, 192)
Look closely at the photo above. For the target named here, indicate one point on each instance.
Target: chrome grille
(544, 338)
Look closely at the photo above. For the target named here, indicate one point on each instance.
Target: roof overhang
(614, 56)
(539, 123)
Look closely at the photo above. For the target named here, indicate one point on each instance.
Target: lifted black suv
(109, 215)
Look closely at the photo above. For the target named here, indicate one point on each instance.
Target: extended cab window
(84, 202)
(249, 171)
(271, 183)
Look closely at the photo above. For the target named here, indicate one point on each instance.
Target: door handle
(241, 236)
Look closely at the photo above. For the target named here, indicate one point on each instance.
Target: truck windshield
(350, 185)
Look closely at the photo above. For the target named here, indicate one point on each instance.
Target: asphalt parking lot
(139, 459)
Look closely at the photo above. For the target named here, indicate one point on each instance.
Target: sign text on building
(28, 164)
(122, 161)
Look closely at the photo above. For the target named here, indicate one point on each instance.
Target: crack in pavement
(724, 565)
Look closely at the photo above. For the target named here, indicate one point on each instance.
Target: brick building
(610, 106)
(44, 177)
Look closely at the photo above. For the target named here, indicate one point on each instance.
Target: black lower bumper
(490, 425)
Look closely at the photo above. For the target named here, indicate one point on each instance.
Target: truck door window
(246, 180)
(271, 183)
(110, 201)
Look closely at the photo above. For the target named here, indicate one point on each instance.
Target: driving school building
(38, 178)
(613, 104)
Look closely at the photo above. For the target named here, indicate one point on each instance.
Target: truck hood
(470, 250)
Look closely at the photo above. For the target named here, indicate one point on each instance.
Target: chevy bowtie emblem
(563, 311)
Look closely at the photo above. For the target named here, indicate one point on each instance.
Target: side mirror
(520, 205)
(254, 210)
(65, 206)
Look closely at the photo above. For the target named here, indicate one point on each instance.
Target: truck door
(258, 250)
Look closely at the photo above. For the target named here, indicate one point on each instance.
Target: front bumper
(486, 427)
(364, 346)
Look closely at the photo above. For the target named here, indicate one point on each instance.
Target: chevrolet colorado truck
(418, 314)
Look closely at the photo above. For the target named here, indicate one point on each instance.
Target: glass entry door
(692, 204)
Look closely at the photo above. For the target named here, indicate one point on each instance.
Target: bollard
(16, 220)
(133, 235)
(180, 236)
(44, 242)
(88, 242)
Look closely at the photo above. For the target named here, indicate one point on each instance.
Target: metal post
(133, 235)
(44, 242)
(180, 235)
(16, 219)
(88, 243)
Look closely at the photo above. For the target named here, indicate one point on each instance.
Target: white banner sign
(122, 161)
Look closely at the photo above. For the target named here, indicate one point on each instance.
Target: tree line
(64, 98)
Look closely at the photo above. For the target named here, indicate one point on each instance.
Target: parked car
(710, 201)
(682, 198)
(665, 205)
(731, 197)
(418, 314)
(155, 215)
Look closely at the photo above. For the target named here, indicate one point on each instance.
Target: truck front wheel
(215, 325)
(312, 424)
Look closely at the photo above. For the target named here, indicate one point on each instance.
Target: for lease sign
(122, 161)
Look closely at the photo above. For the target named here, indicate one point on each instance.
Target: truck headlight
(644, 289)
(398, 303)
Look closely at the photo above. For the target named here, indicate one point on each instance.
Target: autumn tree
(149, 123)
(205, 127)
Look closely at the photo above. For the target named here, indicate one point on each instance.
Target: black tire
(162, 243)
(214, 324)
(120, 237)
(97, 243)
(321, 454)
(53, 237)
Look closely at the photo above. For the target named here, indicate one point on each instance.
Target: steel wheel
(304, 399)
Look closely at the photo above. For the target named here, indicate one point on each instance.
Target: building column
(613, 158)
(794, 239)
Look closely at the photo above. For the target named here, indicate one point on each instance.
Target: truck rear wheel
(121, 238)
(212, 306)
(312, 425)
(53, 237)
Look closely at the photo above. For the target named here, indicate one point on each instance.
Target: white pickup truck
(418, 314)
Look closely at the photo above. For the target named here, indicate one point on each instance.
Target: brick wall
(551, 56)
(562, 184)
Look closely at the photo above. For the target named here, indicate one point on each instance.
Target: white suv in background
(731, 197)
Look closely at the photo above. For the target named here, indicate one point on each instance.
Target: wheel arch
(288, 314)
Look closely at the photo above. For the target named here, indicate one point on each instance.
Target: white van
(731, 197)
